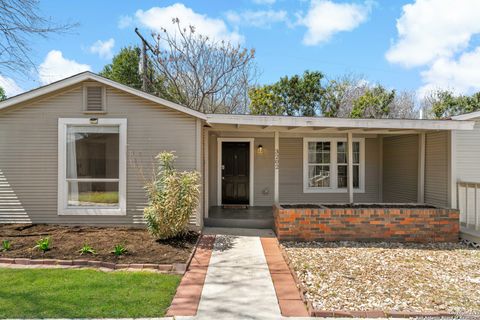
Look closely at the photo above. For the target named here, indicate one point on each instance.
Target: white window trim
(333, 166)
(62, 207)
(219, 167)
(104, 98)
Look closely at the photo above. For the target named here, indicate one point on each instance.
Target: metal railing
(468, 203)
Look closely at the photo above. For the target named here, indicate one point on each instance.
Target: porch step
(239, 223)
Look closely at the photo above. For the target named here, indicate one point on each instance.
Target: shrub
(119, 250)
(172, 198)
(6, 245)
(86, 249)
(43, 244)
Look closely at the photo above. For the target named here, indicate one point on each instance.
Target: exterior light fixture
(93, 120)
(260, 149)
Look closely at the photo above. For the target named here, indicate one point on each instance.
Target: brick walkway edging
(188, 294)
(354, 314)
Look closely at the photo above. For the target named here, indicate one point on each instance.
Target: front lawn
(62, 293)
(355, 276)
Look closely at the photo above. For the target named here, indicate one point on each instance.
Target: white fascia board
(467, 116)
(339, 122)
(84, 76)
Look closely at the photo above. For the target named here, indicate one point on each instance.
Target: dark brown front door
(235, 172)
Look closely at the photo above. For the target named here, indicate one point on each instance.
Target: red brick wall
(399, 225)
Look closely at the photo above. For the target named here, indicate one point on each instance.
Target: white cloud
(260, 18)
(10, 86)
(264, 1)
(462, 75)
(56, 67)
(125, 22)
(103, 48)
(431, 29)
(326, 18)
(157, 18)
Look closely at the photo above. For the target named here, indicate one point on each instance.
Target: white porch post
(276, 196)
(421, 168)
(350, 166)
(206, 154)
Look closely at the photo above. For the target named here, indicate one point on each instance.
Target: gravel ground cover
(355, 276)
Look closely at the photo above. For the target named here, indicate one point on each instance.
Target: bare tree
(403, 106)
(20, 21)
(201, 73)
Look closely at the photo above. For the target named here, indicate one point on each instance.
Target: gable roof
(87, 75)
(467, 116)
(457, 123)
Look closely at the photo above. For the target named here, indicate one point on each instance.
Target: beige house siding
(436, 168)
(400, 158)
(468, 154)
(28, 157)
(291, 171)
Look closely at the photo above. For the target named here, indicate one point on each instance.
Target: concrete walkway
(238, 283)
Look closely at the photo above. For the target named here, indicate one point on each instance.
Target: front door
(235, 172)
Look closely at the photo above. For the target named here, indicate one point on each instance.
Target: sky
(416, 45)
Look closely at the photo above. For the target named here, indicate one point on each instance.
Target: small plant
(86, 249)
(6, 245)
(119, 250)
(43, 244)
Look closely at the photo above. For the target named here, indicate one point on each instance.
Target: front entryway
(235, 173)
(249, 218)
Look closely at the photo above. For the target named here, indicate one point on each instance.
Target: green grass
(98, 197)
(61, 293)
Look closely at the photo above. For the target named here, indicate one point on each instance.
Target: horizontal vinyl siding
(28, 152)
(436, 168)
(400, 167)
(291, 175)
(468, 154)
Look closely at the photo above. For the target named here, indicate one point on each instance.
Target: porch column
(350, 166)
(276, 197)
(421, 168)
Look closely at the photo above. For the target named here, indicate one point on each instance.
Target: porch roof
(340, 124)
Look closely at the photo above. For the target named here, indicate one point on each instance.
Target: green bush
(172, 198)
(86, 249)
(119, 250)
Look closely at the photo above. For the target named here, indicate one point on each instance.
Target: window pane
(356, 177)
(92, 152)
(318, 176)
(342, 176)
(356, 152)
(341, 152)
(93, 194)
(319, 152)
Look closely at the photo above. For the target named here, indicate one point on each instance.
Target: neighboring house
(70, 152)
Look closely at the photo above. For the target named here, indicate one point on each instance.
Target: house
(70, 153)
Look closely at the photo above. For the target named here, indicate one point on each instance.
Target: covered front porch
(252, 163)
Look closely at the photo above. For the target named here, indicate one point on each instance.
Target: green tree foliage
(124, 67)
(3, 96)
(444, 103)
(173, 196)
(374, 103)
(294, 96)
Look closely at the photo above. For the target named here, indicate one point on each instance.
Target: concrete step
(239, 223)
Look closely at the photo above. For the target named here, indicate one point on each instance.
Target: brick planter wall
(396, 225)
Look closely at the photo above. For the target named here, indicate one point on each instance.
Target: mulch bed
(68, 240)
(387, 277)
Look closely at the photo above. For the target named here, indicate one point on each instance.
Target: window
(94, 98)
(92, 166)
(326, 165)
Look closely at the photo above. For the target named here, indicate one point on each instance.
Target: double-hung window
(92, 166)
(326, 165)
